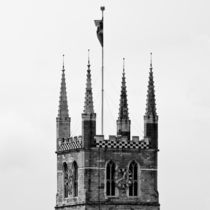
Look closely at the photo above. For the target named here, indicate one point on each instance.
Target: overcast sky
(33, 37)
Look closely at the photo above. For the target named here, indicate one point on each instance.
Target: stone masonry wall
(95, 161)
(91, 183)
(69, 158)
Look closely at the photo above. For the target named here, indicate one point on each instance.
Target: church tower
(118, 173)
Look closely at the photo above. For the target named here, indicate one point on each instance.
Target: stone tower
(120, 172)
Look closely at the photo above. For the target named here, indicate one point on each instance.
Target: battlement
(119, 138)
(69, 143)
(121, 142)
(114, 142)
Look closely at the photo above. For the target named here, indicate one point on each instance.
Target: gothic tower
(94, 173)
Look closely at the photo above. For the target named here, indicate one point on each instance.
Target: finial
(123, 65)
(151, 60)
(102, 8)
(88, 57)
(63, 63)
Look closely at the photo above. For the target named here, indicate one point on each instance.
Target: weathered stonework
(92, 154)
(92, 188)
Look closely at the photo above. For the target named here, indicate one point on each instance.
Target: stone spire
(123, 109)
(151, 104)
(88, 115)
(88, 107)
(123, 122)
(63, 104)
(63, 120)
(151, 117)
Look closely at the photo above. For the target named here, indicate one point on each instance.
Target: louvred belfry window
(110, 183)
(133, 170)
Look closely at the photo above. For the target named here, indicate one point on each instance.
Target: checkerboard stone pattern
(113, 144)
(76, 143)
(70, 144)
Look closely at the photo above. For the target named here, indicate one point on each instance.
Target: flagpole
(102, 78)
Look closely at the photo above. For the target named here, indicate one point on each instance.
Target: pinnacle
(63, 103)
(151, 104)
(123, 109)
(88, 107)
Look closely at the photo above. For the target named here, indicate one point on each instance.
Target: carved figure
(123, 178)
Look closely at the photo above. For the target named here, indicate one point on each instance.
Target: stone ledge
(108, 203)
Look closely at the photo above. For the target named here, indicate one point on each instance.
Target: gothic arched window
(75, 179)
(110, 183)
(133, 170)
(65, 179)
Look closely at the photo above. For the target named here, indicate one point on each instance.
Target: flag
(99, 32)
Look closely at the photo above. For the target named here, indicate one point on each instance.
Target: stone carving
(123, 178)
(68, 180)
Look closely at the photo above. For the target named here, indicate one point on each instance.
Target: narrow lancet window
(75, 179)
(133, 170)
(110, 183)
(65, 179)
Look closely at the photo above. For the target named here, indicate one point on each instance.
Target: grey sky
(33, 37)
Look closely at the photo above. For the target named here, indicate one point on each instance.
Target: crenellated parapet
(114, 142)
(66, 144)
(121, 142)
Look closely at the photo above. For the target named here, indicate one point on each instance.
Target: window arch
(75, 179)
(110, 183)
(133, 170)
(65, 180)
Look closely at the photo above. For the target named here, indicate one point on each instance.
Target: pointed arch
(65, 179)
(75, 179)
(110, 182)
(133, 170)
